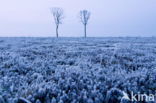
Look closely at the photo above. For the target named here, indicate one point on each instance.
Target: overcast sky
(109, 17)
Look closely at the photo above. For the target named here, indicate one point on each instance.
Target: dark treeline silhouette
(58, 15)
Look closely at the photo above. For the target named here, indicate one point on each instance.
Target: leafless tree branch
(58, 15)
(84, 17)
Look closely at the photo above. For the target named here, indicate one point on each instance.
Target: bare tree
(84, 17)
(58, 15)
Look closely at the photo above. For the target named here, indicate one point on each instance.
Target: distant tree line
(58, 15)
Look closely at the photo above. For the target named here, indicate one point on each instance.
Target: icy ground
(75, 70)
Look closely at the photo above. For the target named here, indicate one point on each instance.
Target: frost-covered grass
(75, 70)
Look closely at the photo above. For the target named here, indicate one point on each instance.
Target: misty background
(108, 17)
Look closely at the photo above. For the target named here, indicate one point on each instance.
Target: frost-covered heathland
(75, 70)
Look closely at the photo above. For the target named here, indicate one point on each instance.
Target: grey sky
(109, 17)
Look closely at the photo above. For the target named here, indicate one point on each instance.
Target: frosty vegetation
(75, 70)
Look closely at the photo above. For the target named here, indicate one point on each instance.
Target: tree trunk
(85, 31)
(57, 31)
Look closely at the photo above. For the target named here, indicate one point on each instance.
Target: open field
(76, 70)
